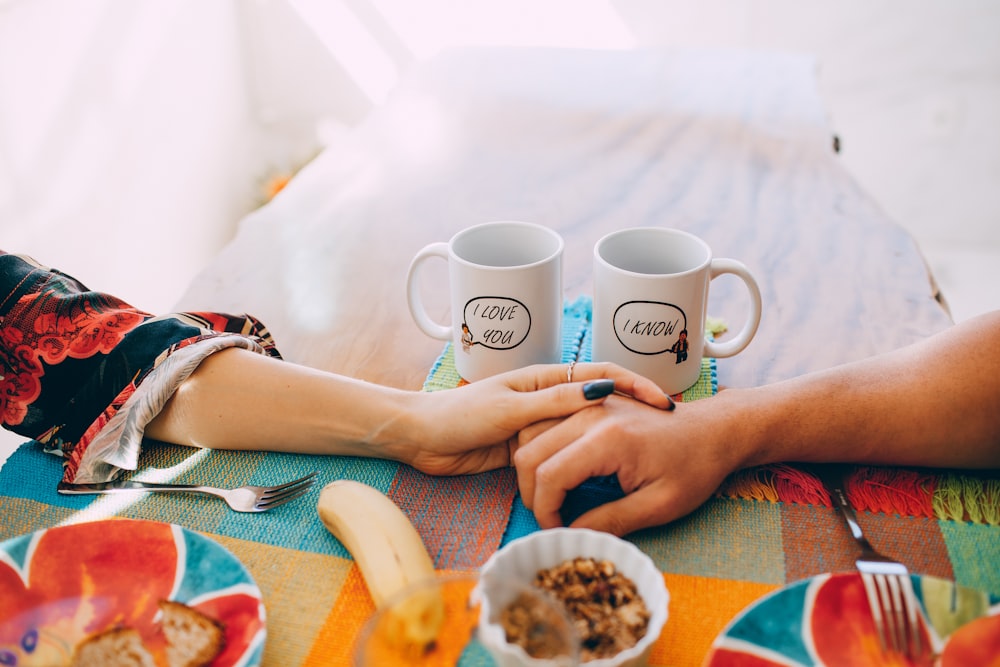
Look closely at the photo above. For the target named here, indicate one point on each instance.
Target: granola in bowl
(604, 605)
(611, 591)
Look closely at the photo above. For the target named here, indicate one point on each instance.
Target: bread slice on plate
(118, 647)
(193, 639)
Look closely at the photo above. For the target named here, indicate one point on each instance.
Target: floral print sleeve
(83, 372)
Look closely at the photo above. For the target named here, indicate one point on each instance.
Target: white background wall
(913, 88)
(134, 134)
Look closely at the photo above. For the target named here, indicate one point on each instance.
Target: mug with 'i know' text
(650, 295)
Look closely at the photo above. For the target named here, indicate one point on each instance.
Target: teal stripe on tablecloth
(31, 474)
(974, 551)
(522, 522)
(576, 328)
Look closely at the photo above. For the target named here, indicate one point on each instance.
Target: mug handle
(413, 300)
(731, 347)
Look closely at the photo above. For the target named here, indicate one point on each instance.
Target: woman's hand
(473, 428)
(668, 463)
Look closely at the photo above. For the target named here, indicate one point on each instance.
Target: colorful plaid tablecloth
(766, 527)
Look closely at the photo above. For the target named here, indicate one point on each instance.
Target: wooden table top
(735, 148)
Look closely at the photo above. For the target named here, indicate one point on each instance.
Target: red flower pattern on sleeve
(49, 326)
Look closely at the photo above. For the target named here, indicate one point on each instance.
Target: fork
(887, 582)
(241, 499)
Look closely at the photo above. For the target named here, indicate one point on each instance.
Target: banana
(391, 556)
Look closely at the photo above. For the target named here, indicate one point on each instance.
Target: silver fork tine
(900, 605)
(274, 492)
(912, 622)
(274, 501)
(893, 605)
(874, 593)
(294, 482)
(288, 487)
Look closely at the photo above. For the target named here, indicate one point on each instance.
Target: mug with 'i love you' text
(505, 286)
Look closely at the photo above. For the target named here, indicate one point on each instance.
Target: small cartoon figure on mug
(680, 348)
(466, 337)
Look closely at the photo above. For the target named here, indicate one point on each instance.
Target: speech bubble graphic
(497, 322)
(648, 327)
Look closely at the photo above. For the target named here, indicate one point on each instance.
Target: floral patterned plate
(824, 620)
(60, 585)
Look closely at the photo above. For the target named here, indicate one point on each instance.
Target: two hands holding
(562, 428)
(563, 425)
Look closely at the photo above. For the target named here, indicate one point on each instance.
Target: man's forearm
(935, 403)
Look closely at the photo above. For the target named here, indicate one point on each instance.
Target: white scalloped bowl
(521, 559)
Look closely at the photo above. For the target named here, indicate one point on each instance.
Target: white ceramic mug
(505, 283)
(650, 294)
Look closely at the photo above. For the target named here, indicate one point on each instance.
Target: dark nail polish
(672, 405)
(598, 389)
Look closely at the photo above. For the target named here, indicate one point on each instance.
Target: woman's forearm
(237, 399)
